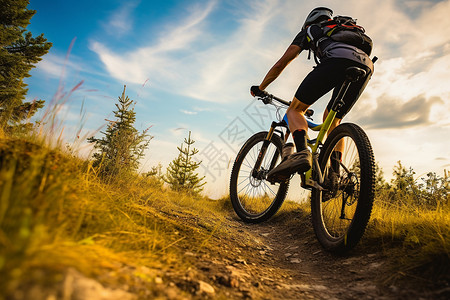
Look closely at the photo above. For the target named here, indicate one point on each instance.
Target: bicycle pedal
(278, 180)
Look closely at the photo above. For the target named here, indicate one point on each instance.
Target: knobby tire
(362, 200)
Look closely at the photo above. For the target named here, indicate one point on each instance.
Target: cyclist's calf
(295, 114)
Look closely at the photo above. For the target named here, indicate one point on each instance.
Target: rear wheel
(254, 199)
(340, 213)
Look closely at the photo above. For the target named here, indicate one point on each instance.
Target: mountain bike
(342, 188)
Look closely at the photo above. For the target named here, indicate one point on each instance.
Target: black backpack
(344, 29)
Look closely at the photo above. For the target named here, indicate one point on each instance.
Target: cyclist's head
(317, 15)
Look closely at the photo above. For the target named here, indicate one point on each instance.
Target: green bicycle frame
(314, 144)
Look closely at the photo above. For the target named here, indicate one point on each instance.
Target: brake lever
(267, 99)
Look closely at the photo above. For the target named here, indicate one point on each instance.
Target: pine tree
(180, 174)
(19, 51)
(122, 146)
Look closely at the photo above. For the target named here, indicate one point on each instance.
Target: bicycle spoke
(265, 184)
(244, 188)
(247, 164)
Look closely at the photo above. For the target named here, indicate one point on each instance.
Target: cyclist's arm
(292, 52)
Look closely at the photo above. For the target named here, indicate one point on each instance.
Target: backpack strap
(341, 23)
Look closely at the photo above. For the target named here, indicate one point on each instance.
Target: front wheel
(253, 198)
(341, 211)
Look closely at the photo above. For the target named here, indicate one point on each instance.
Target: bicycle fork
(256, 173)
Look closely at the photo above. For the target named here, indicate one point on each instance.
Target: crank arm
(314, 184)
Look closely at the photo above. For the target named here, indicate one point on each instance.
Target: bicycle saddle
(354, 73)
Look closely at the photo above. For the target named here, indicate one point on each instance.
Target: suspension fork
(262, 152)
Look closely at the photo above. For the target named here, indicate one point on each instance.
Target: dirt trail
(278, 259)
(317, 274)
(281, 259)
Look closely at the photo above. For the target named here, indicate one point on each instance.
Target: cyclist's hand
(256, 92)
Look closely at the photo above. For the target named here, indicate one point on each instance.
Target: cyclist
(335, 57)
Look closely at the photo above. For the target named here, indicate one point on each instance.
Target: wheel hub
(331, 186)
(254, 181)
(350, 188)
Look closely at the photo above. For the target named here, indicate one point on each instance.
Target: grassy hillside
(134, 235)
(56, 214)
(415, 238)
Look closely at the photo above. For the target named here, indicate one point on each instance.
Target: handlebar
(268, 98)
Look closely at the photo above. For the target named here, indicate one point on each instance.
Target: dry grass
(415, 239)
(55, 214)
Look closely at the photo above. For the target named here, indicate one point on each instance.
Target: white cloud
(58, 66)
(392, 113)
(51, 65)
(414, 57)
(212, 72)
(222, 68)
(188, 112)
(66, 66)
(121, 21)
(157, 63)
(424, 149)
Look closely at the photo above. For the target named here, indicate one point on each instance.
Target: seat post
(352, 74)
(339, 102)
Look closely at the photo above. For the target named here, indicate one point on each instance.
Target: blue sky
(189, 66)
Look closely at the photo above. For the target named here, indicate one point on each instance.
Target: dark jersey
(301, 41)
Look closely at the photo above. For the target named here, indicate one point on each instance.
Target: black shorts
(330, 74)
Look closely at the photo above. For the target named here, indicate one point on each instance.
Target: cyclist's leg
(317, 83)
(295, 114)
(300, 161)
